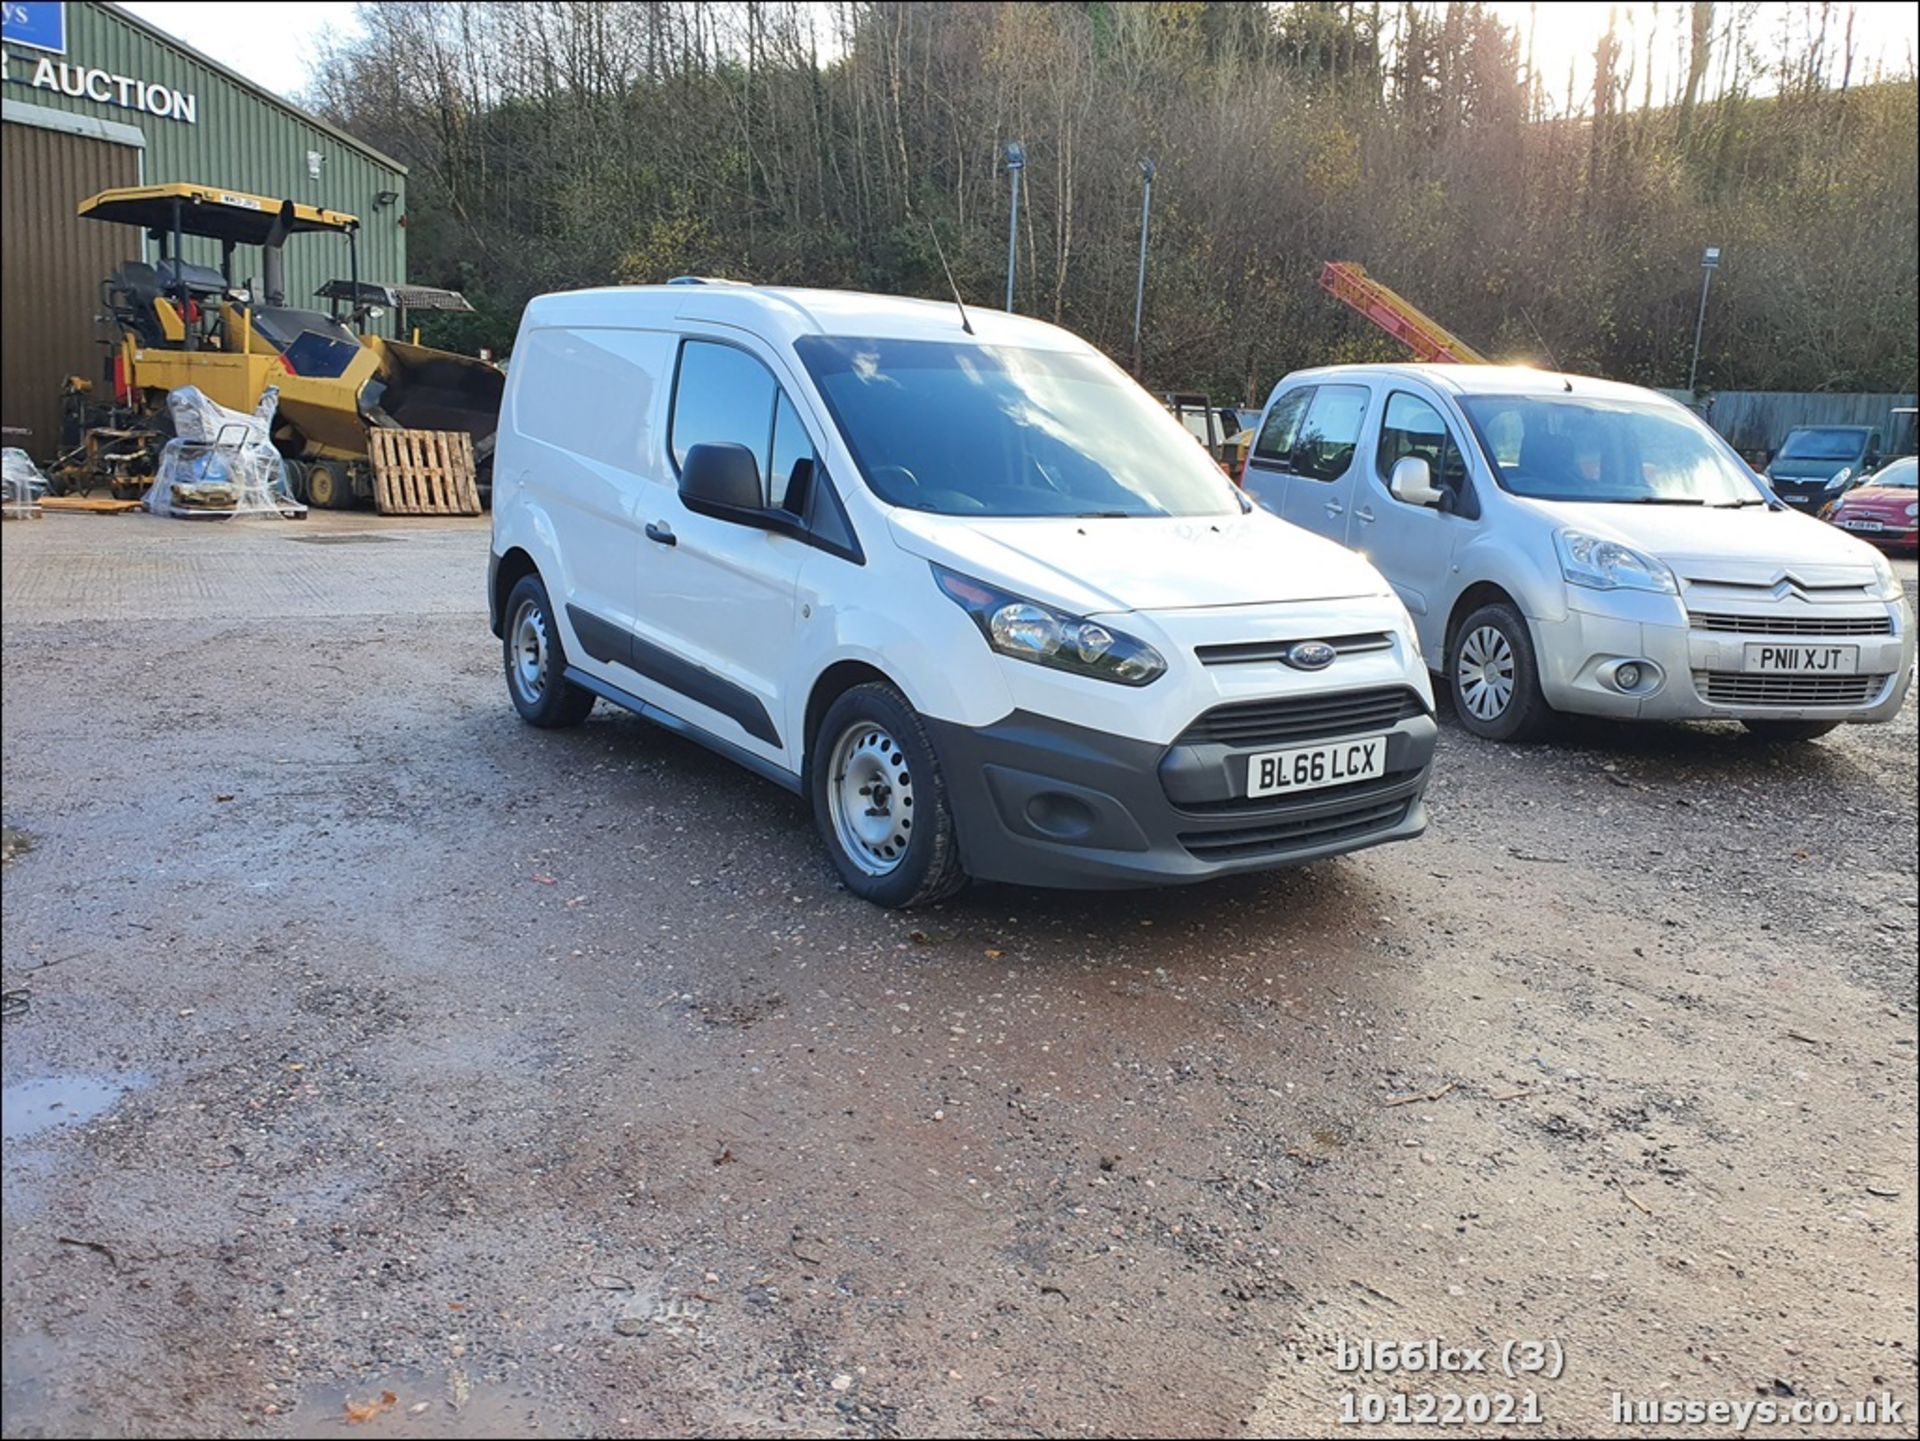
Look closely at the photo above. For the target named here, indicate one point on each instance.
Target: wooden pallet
(423, 472)
(92, 505)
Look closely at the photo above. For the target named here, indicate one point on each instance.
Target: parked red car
(1882, 508)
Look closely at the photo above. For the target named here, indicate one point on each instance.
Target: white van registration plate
(1770, 659)
(1306, 768)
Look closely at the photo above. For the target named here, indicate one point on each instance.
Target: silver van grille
(1792, 624)
(1738, 688)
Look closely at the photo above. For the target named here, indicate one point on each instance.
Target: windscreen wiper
(1665, 500)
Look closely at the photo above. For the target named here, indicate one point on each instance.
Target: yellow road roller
(177, 323)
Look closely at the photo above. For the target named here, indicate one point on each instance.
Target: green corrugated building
(95, 98)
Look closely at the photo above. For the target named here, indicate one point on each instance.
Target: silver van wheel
(870, 798)
(1485, 670)
(530, 651)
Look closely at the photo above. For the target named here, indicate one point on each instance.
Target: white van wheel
(536, 662)
(880, 800)
(870, 796)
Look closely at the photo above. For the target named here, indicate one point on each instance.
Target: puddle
(453, 1405)
(31, 1107)
(36, 1108)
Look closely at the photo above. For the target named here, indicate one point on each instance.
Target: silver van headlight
(1886, 584)
(1600, 564)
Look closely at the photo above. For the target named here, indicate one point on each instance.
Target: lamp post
(1140, 283)
(1016, 154)
(1709, 262)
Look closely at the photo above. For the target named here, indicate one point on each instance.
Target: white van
(952, 576)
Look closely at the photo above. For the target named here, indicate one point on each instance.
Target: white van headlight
(1027, 630)
(1599, 564)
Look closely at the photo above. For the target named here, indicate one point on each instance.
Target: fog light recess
(1063, 817)
(1632, 677)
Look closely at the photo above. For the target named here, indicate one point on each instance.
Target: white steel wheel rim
(870, 798)
(529, 663)
(1485, 672)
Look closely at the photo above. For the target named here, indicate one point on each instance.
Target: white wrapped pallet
(221, 462)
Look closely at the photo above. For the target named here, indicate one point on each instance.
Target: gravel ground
(360, 1040)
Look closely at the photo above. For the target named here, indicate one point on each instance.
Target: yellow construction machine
(176, 323)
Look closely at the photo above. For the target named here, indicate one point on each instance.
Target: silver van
(1569, 544)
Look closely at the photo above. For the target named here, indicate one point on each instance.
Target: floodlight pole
(1709, 262)
(1140, 283)
(1016, 154)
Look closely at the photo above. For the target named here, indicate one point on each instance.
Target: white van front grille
(1255, 652)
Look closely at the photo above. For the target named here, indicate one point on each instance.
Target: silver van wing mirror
(1412, 481)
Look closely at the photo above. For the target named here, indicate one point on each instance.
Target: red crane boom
(1429, 340)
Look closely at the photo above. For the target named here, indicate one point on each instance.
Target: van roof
(780, 313)
(1484, 380)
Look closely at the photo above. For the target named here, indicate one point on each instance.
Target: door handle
(1335, 508)
(660, 531)
(1365, 513)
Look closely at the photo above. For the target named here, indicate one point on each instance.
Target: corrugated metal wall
(1760, 419)
(51, 266)
(242, 137)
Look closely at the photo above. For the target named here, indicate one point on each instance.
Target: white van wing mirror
(1412, 481)
(718, 477)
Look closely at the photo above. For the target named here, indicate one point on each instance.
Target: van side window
(723, 394)
(1330, 431)
(1413, 427)
(1275, 442)
(791, 446)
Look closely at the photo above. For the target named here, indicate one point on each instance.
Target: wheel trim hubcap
(870, 798)
(529, 661)
(1485, 672)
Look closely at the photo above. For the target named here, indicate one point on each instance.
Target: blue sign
(42, 26)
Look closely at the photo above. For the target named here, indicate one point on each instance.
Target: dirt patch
(556, 1067)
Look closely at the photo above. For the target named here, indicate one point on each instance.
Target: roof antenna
(1552, 359)
(965, 324)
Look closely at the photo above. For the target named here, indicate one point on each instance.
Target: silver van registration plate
(1306, 768)
(1767, 658)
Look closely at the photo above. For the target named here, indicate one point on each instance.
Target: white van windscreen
(966, 429)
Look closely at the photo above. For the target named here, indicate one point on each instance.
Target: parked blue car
(1820, 463)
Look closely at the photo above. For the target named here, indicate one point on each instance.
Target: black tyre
(1786, 732)
(1494, 677)
(880, 800)
(327, 485)
(536, 661)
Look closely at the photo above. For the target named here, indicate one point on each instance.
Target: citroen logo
(1309, 655)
